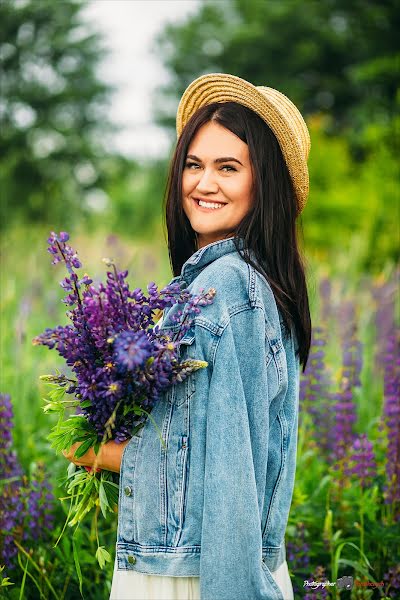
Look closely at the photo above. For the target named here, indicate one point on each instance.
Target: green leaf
(85, 404)
(83, 448)
(112, 490)
(71, 470)
(336, 535)
(102, 556)
(137, 428)
(150, 416)
(357, 567)
(77, 564)
(104, 503)
(21, 592)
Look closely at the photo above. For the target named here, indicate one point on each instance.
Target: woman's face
(217, 183)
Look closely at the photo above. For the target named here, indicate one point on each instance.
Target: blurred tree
(52, 111)
(331, 56)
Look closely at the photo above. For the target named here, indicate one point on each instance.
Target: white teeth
(209, 204)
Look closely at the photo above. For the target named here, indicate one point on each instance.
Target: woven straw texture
(272, 106)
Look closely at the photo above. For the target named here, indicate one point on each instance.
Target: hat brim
(265, 102)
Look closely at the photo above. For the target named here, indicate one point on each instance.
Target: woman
(206, 517)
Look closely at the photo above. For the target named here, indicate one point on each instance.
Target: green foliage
(353, 208)
(5, 581)
(102, 556)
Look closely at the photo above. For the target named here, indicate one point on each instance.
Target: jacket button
(128, 491)
(131, 559)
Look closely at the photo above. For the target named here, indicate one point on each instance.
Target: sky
(129, 28)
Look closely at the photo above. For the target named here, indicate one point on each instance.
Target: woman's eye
(194, 166)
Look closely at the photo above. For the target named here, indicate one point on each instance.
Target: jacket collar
(206, 255)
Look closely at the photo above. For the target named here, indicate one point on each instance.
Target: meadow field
(345, 513)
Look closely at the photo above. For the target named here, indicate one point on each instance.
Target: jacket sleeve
(231, 566)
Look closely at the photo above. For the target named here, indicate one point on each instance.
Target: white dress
(133, 585)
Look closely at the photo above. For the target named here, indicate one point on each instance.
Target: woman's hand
(87, 460)
(109, 457)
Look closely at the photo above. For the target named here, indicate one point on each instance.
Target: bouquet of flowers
(121, 362)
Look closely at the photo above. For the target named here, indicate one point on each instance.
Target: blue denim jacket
(215, 503)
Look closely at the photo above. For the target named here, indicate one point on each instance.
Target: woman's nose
(207, 183)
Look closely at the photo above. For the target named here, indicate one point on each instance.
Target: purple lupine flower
(132, 349)
(362, 461)
(384, 294)
(345, 417)
(391, 418)
(62, 251)
(11, 519)
(315, 394)
(25, 506)
(325, 290)
(392, 580)
(39, 507)
(351, 346)
(9, 465)
(10, 479)
(344, 407)
(297, 551)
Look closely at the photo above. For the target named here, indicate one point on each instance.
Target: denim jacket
(215, 502)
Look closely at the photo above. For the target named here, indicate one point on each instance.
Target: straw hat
(275, 108)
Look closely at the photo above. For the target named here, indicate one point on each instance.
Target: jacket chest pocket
(181, 392)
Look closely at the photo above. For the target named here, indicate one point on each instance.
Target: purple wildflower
(40, 502)
(9, 465)
(325, 290)
(362, 461)
(132, 349)
(62, 251)
(298, 549)
(392, 579)
(345, 408)
(11, 475)
(391, 362)
(25, 506)
(351, 346)
(315, 394)
(345, 417)
(384, 295)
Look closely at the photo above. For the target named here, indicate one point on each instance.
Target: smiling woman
(217, 183)
(203, 515)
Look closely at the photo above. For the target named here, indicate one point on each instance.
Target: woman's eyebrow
(217, 160)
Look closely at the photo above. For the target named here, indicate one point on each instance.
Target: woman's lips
(205, 208)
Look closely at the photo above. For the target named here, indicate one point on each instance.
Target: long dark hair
(269, 228)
